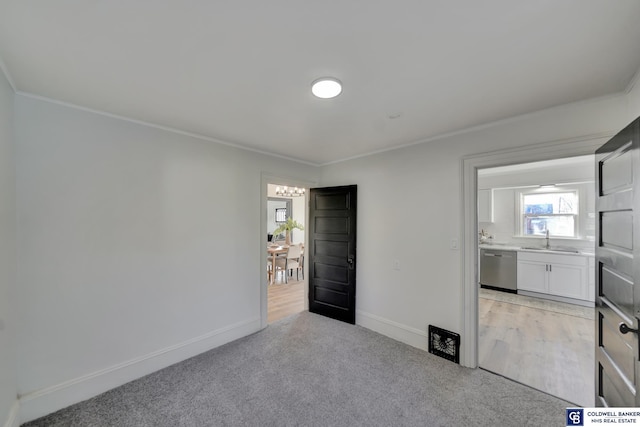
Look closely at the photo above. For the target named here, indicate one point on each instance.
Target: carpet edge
(41, 402)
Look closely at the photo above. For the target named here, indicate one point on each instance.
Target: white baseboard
(573, 301)
(44, 401)
(403, 333)
(13, 420)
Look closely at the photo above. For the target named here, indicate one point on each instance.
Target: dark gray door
(332, 252)
(618, 269)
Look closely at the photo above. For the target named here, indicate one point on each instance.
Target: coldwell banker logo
(575, 417)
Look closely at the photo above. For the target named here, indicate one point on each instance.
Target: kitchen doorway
(539, 336)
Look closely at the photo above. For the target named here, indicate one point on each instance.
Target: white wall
(138, 247)
(508, 183)
(272, 205)
(126, 265)
(505, 228)
(575, 169)
(410, 208)
(299, 213)
(8, 387)
(298, 206)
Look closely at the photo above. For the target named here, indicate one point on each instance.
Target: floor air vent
(444, 343)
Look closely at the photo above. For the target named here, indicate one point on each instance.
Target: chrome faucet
(547, 245)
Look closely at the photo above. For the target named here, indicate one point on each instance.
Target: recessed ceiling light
(326, 87)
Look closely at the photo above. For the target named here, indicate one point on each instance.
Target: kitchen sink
(552, 249)
(569, 250)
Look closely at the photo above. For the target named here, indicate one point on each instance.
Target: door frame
(267, 178)
(469, 227)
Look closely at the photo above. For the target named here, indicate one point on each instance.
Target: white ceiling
(565, 162)
(240, 71)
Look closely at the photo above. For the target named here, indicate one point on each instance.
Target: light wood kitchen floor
(539, 344)
(285, 299)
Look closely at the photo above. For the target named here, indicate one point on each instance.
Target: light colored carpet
(308, 370)
(539, 303)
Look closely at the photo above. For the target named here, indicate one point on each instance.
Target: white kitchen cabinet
(554, 274)
(485, 205)
(532, 275)
(568, 281)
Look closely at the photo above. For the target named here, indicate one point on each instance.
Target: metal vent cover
(445, 344)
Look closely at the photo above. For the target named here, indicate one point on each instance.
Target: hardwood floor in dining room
(285, 299)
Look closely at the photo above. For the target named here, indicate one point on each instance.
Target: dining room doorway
(286, 287)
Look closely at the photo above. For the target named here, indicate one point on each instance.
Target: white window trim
(577, 223)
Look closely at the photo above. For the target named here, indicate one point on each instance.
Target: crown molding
(371, 153)
(632, 82)
(479, 127)
(7, 75)
(162, 127)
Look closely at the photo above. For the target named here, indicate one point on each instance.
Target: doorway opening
(284, 265)
(536, 297)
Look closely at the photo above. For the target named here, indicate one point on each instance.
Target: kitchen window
(556, 211)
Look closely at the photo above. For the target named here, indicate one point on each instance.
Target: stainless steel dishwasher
(498, 269)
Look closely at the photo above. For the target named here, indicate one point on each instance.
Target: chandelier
(289, 191)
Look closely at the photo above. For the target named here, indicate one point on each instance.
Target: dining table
(274, 251)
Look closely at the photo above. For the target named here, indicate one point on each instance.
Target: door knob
(350, 261)
(624, 329)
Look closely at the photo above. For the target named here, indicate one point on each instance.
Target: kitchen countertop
(507, 247)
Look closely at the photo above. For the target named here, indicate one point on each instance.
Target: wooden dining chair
(281, 266)
(270, 271)
(294, 260)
